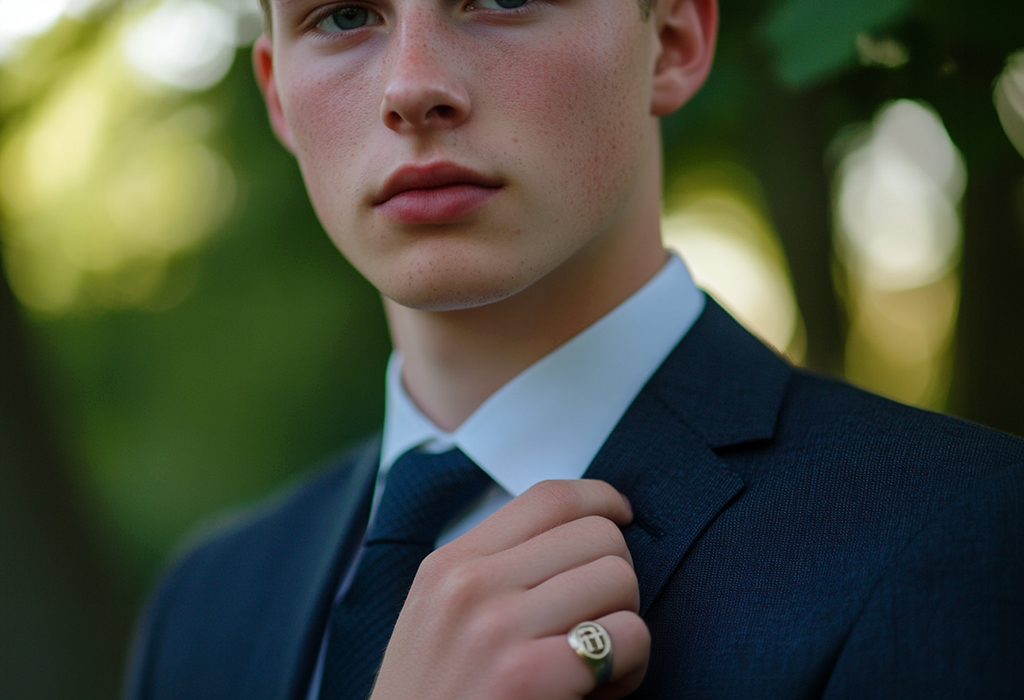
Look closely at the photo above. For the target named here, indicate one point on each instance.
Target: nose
(423, 90)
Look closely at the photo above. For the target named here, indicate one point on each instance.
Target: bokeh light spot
(21, 19)
(104, 184)
(1009, 99)
(186, 44)
(897, 198)
(898, 231)
(734, 255)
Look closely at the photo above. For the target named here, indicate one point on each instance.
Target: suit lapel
(719, 387)
(287, 650)
(674, 482)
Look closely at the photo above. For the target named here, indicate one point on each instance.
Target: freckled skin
(552, 105)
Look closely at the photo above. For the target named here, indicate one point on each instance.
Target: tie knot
(423, 492)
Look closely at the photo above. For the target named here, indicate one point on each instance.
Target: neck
(454, 360)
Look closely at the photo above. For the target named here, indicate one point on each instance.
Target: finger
(566, 547)
(588, 592)
(543, 507)
(551, 663)
(632, 637)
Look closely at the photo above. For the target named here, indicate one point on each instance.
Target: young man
(745, 529)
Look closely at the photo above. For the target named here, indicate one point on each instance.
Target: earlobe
(263, 65)
(687, 30)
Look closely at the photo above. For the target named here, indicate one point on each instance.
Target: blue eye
(500, 4)
(348, 18)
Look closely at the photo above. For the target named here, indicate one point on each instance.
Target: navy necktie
(423, 493)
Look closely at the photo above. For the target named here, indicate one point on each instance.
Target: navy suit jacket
(794, 538)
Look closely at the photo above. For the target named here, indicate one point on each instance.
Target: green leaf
(814, 39)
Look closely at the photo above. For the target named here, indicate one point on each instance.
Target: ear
(686, 33)
(263, 65)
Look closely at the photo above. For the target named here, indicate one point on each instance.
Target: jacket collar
(719, 387)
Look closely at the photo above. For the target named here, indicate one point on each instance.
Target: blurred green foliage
(813, 40)
(262, 350)
(273, 358)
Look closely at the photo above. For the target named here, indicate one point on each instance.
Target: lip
(434, 193)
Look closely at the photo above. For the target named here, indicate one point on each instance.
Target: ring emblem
(592, 643)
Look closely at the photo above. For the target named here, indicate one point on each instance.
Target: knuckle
(463, 584)
(620, 580)
(434, 566)
(434, 561)
(490, 627)
(609, 534)
(604, 491)
(621, 570)
(559, 495)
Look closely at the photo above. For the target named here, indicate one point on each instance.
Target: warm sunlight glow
(103, 185)
(897, 236)
(1009, 98)
(898, 193)
(21, 19)
(186, 44)
(733, 254)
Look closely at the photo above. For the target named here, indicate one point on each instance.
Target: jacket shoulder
(832, 415)
(246, 580)
(235, 536)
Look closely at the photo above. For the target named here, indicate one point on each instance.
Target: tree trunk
(61, 633)
(988, 379)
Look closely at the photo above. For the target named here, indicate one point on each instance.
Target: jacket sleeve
(947, 620)
(144, 650)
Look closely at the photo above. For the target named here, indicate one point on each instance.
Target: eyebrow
(286, 5)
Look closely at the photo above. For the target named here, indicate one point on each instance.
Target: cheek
(331, 117)
(581, 111)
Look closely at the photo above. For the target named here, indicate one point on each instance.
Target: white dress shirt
(550, 421)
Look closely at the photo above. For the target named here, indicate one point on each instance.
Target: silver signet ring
(591, 641)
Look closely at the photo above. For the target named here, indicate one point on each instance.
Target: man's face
(457, 151)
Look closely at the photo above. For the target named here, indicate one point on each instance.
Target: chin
(448, 294)
(435, 286)
(457, 270)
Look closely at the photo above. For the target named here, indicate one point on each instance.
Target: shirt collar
(550, 421)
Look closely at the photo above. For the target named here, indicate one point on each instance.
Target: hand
(488, 613)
